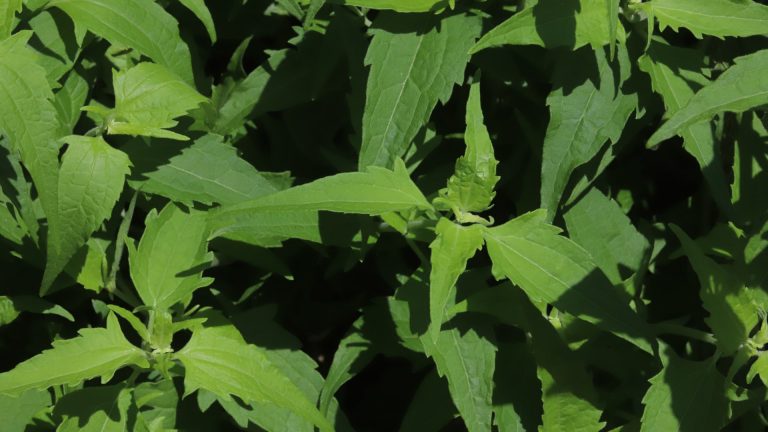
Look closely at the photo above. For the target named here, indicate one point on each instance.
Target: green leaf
(453, 247)
(585, 112)
(30, 122)
(8, 11)
(431, 407)
(740, 88)
(553, 23)
(18, 411)
(70, 98)
(374, 192)
(517, 398)
(208, 171)
(202, 13)
(399, 5)
(553, 269)
(97, 352)
(685, 396)
(732, 312)
(718, 18)
(563, 411)
(676, 73)
(157, 403)
(220, 362)
(611, 239)
(148, 97)
(759, 368)
(90, 182)
(471, 187)
(94, 409)
(167, 267)
(140, 24)
(56, 43)
(415, 63)
(467, 359)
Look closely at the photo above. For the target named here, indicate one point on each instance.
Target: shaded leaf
(710, 17)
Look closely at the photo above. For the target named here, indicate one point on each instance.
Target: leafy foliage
(378, 215)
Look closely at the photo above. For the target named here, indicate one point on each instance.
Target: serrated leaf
(732, 312)
(553, 23)
(453, 247)
(471, 187)
(685, 396)
(563, 411)
(202, 13)
(585, 112)
(399, 5)
(373, 192)
(208, 171)
(611, 239)
(224, 364)
(467, 359)
(676, 73)
(718, 18)
(148, 99)
(94, 409)
(8, 11)
(740, 88)
(140, 24)
(414, 64)
(553, 269)
(167, 266)
(90, 182)
(97, 352)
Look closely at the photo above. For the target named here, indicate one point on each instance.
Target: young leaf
(611, 239)
(685, 396)
(584, 113)
(675, 75)
(553, 269)
(90, 182)
(97, 352)
(218, 361)
(374, 192)
(467, 359)
(8, 11)
(168, 264)
(202, 13)
(732, 312)
(140, 24)
(453, 247)
(738, 89)
(471, 187)
(553, 23)
(208, 171)
(415, 63)
(399, 5)
(148, 97)
(710, 17)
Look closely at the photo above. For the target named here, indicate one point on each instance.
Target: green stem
(676, 329)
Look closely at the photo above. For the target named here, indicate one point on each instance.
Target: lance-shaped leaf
(710, 17)
(554, 269)
(611, 239)
(742, 87)
(585, 112)
(471, 187)
(453, 247)
(415, 62)
(732, 312)
(467, 360)
(202, 13)
(685, 396)
(676, 73)
(168, 264)
(400, 5)
(207, 171)
(553, 23)
(222, 363)
(90, 182)
(8, 11)
(140, 24)
(374, 192)
(97, 352)
(148, 97)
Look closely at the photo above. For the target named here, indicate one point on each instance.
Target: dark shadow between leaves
(556, 22)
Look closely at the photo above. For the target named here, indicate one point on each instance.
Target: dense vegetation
(380, 215)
